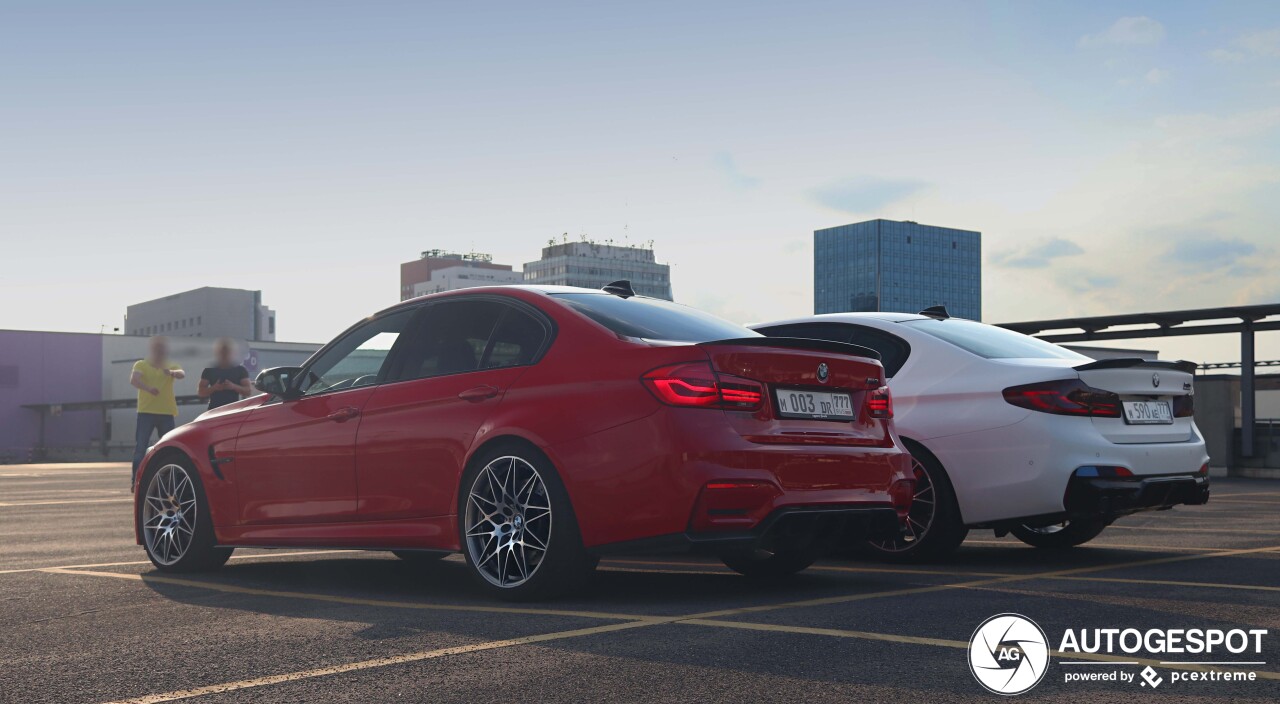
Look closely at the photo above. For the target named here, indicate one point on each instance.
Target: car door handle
(479, 393)
(344, 414)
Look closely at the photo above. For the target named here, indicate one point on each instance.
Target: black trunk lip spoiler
(1181, 365)
(799, 343)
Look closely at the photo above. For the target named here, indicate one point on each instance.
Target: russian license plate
(1148, 413)
(794, 403)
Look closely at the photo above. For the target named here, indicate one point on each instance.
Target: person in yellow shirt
(153, 377)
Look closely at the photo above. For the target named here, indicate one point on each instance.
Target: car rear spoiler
(799, 343)
(1181, 365)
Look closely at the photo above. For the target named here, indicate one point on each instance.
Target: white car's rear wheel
(933, 521)
(1058, 536)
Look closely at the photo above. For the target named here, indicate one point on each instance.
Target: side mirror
(278, 381)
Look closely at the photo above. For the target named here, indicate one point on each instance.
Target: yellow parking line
(1255, 502)
(377, 662)
(1235, 531)
(708, 618)
(69, 501)
(906, 571)
(1174, 583)
(1115, 546)
(832, 568)
(255, 556)
(354, 601)
(1053, 574)
(636, 570)
(74, 471)
(915, 640)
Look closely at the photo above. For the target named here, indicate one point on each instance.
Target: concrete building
(66, 396)
(204, 312)
(902, 267)
(1219, 418)
(421, 270)
(455, 277)
(592, 265)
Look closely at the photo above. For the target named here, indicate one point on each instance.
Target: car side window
(449, 337)
(357, 358)
(516, 341)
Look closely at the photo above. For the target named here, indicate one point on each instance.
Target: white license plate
(1148, 413)
(795, 403)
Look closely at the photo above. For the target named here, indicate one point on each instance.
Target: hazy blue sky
(1117, 156)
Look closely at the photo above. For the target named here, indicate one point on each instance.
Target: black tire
(942, 531)
(420, 557)
(201, 553)
(563, 567)
(761, 564)
(1060, 536)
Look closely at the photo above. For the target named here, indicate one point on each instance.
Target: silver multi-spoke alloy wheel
(169, 514)
(508, 522)
(920, 516)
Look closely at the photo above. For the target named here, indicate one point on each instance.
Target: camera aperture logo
(1008, 654)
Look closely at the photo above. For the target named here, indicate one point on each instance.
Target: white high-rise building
(592, 265)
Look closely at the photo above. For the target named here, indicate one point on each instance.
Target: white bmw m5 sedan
(1015, 434)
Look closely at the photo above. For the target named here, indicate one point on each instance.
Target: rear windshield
(653, 319)
(990, 341)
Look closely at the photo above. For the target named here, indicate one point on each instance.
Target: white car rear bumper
(1022, 470)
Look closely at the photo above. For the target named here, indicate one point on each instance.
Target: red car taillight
(694, 384)
(1068, 397)
(880, 403)
(1184, 406)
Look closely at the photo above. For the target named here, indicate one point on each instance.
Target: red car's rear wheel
(517, 528)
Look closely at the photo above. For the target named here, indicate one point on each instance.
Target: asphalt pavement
(85, 618)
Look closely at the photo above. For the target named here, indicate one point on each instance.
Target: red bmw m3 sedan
(534, 429)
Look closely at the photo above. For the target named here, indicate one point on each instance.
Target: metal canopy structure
(1241, 320)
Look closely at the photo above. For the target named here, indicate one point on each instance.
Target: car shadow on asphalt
(656, 586)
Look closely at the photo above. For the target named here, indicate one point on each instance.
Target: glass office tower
(903, 267)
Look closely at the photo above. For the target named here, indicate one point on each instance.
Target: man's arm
(176, 373)
(204, 390)
(136, 382)
(244, 388)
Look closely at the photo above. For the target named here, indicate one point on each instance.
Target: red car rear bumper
(685, 477)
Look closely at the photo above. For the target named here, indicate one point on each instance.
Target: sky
(1117, 156)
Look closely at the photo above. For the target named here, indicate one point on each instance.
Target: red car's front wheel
(174, 520)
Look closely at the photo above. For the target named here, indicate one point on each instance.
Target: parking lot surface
(85, 618)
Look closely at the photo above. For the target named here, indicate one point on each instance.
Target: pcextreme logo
(1009, 654)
